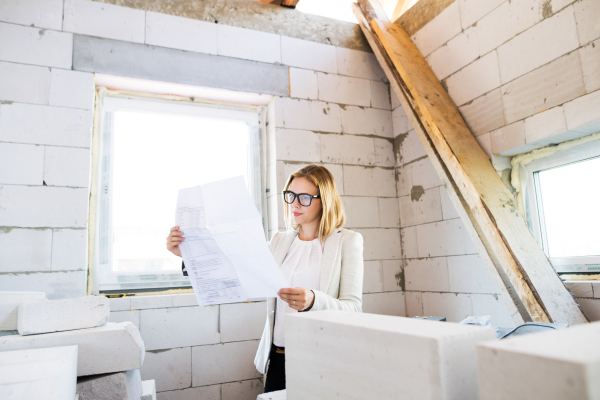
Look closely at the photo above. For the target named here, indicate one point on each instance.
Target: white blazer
(340, 285)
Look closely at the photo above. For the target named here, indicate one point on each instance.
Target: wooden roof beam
(530, 287)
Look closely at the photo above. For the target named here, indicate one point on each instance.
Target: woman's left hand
(298, 298)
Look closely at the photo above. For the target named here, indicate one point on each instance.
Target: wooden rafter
(529, 285)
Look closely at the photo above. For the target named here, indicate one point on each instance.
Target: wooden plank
(509, 244)
(508, 295)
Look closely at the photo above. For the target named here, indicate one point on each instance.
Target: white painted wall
(524, 74)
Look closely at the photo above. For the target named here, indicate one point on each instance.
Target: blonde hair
(332, 214)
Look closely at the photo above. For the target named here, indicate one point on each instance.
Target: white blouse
(301, 267)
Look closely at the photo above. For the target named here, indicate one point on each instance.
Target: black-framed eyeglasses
(304, 199)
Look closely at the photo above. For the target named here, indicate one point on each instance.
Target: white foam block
(551, 365)
(278, 395)
(9, 303)
(49, 373)
(109, 348)
(149, 390)
(335, 354)
(45, 316)
(125, 385)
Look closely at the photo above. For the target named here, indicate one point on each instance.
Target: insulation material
(518, 162)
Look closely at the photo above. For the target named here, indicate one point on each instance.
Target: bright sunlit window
(569, 200)
(150, 150)
(561, 198)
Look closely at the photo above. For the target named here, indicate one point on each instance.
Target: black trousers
(276, 372)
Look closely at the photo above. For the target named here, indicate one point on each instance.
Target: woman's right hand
(174, 240)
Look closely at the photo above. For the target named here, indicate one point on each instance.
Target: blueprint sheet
(224, 251)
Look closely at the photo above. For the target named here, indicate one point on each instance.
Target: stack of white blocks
(551, 365)
(107, 355)
(343, 355)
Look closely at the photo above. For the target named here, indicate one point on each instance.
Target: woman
(322, 263)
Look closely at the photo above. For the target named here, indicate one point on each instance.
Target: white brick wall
(545, 124)
(457, 53)
(242, 390)
(39, 206)
(69, 249)
(21, 164)
(242, 321)
(303, 84)
(311, 115)
(361, 212)
(225, 362)
(550, 85)
(380, 95)
(508, 137)
(298, 145)
(381, 244)
(421, 207)
(560, 30)
(366, 121)
(304, 54)
(444, 239)
(181, 33)
(166, 328)
(248, 44)
(368, 181)
(67, 166)
(171, 369)
(104, 20)
(344, 90)
(358, 64)
(24, 83)
(25, 249)
(39, 14)
(505, 22)
(590, 59)
(477, 78)
(455, 307)
(35, 46)
(437, 32)
(472, 11)
(427, 275)
(27, 123)
(72, 89)
(484, 113)
(586, 12)
(390, 303)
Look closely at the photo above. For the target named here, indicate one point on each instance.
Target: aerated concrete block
(9, 304)
(39, 374)
(46, 316)
(337, 354)
(125, 385)
(149, 390)
(560, 364)
(278, 395)
(109, 348)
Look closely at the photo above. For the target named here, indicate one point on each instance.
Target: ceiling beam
(530, 287)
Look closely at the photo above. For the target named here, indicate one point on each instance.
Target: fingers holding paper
(174, 239)
(298, 298)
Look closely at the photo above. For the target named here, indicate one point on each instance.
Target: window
(562, 205)
(148, 150)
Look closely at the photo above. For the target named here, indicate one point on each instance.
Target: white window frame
(534, 211)
(109, 280)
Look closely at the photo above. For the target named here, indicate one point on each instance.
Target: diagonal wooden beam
(529, 285)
